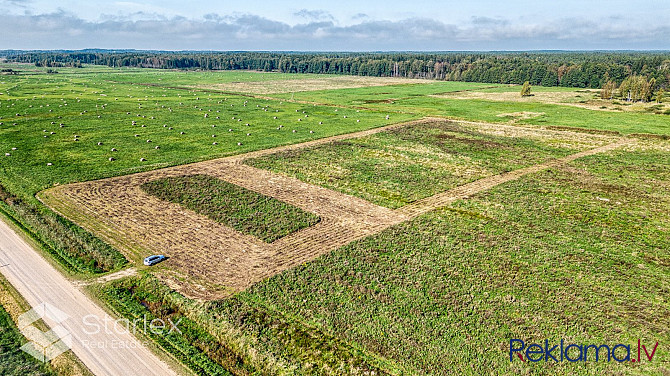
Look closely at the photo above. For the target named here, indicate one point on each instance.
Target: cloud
(151, 30)
(16, 3)
(314, 15)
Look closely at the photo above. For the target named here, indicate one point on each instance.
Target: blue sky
(343, 25)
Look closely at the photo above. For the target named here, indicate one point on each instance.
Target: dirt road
(104, 352)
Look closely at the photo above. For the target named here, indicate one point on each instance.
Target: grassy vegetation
(239, 335)
(71, 246)
(192, 346)
(396, 167)
(579, 253)
(61, 128)
(249, 212)
(13, 361)
(405, 99)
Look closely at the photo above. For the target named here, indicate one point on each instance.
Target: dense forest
(570, 69)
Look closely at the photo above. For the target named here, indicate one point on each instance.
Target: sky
(341, 25)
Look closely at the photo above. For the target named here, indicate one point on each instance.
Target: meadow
(403, 165)
(577, 251)
(432, 101)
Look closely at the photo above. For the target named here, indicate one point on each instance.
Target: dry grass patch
(309, 84)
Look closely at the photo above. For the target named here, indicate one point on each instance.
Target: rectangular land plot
(249, 212)
(403, 165)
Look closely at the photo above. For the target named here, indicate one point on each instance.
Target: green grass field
(13, 361)
(400, 166)
(578, 252)
(246, 211)
(410, 99)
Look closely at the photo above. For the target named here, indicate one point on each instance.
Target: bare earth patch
(208, 260)
(309, 84)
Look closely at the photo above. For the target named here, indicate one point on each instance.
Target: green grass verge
(246, 211)
(237, 335)
(13, 361)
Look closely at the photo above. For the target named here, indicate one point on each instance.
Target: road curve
(105, 352)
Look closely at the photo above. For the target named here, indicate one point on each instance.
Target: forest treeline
(570, 69)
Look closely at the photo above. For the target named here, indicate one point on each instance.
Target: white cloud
(146, 29)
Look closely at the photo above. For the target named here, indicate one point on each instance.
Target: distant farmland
(358, 226)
